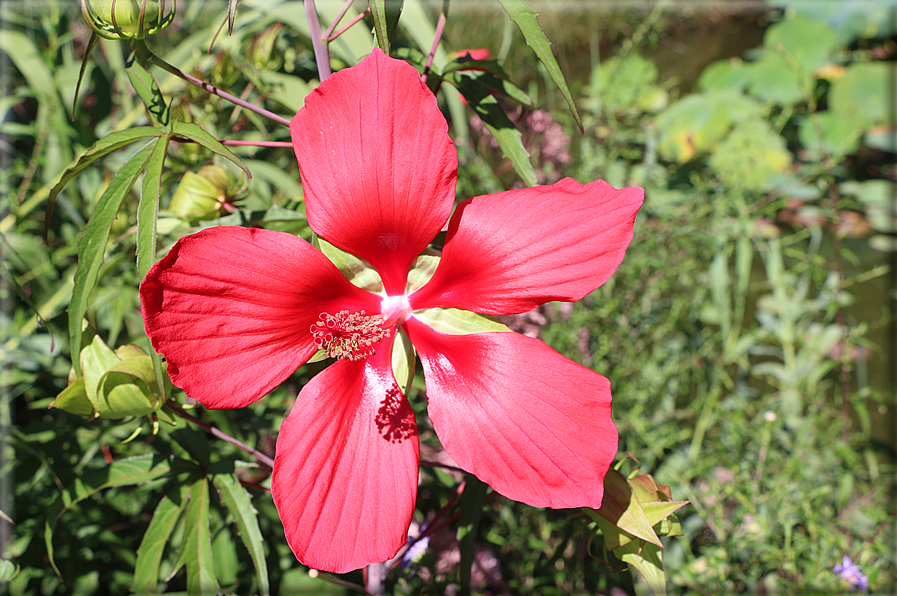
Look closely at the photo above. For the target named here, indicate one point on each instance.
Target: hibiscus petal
(345, 473)
(230, 308)
(512, 251)
(532, 424)
(378, 167)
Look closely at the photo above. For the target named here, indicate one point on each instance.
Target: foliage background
(749, 334)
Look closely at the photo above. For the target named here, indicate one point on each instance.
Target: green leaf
(493, 116)
(147, 215)
(73, 400)
(92, 243)
(356, 270)
(239, 503)
(862, 94)
(196, 134)
(149, 554)
(91, 44)
(472, 500)
(123, 472)
(455, 321)
(402, 360)
(147, 88)
(621, 508)
(647, 559)
(197, 542)
(524, 17)
(381, 24)
(104, 146)
(8, 570)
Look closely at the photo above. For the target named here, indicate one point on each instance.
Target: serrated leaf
(197, 542)
(239, 503)
(455, 321)
(104, 146)
(647, 559)
(147, 88)
(152, 546)
(196, 134)
(147, 216)
(510, 140)
(472, 500)
(92, 243)
(525, 19)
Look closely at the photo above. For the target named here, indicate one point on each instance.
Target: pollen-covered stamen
(348, 336)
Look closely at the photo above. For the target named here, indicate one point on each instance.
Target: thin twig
(261, 457)
(211, 89)
(440, 26)
(258, 143)
(339, 17)
(352, 22)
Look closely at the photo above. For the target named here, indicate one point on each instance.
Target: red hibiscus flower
(236, 311)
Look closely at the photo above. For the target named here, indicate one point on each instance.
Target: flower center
(348, 336)
(395, 310)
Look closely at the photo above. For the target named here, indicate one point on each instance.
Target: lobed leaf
(92, 244)
(195, 133)
(104, 146)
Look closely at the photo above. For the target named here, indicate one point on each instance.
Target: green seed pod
(124, 19)
(207, 194)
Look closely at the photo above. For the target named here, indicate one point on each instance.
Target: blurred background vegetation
(749, 334)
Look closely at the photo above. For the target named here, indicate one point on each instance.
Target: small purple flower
(851, 572)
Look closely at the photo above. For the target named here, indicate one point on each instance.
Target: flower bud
(123, 19)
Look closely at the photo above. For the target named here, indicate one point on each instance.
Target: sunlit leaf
(238, 502)
(196, 134)
(147, 89)
(197, 542)
(104, 146)
(524, 17)
(497, 122)
(92, 243)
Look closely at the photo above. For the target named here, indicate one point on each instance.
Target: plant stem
(258, 143)
(155, 60)
(322, 53)
(440, 26)
(261, 457)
